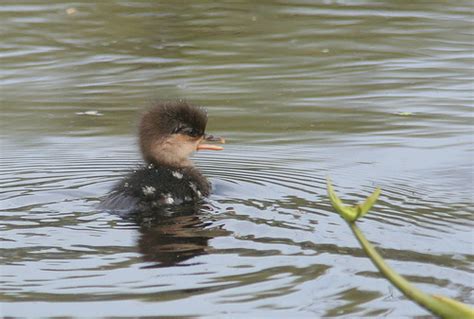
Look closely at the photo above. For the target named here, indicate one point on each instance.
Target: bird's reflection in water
(170, 236)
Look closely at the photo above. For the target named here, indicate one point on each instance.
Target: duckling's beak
(211, 147)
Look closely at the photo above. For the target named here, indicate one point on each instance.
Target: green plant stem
(441, 306)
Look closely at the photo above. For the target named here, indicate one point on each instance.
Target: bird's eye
(189, 131)
(193, 133)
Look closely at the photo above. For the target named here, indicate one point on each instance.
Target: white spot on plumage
(177, 174)
(194, 188)
(148, 190)
(187, 198)
(168, 199)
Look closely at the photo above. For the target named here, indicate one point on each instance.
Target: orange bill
(211, 147)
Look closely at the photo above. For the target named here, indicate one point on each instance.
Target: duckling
(169, 133)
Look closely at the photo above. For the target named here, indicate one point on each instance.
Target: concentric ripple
(367, 93)
(268, 219)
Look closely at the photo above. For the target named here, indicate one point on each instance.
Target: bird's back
(155, 186)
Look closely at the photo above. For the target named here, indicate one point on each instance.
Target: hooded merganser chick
(168, 134)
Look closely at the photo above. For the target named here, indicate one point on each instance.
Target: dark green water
(368, 92)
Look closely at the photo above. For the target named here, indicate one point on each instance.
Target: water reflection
(170, 236)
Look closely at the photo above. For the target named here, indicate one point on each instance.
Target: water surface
(370, 93)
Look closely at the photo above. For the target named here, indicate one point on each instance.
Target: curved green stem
(439, 305)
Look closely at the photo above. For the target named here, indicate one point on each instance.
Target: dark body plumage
(168, 133)
(153, 186)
